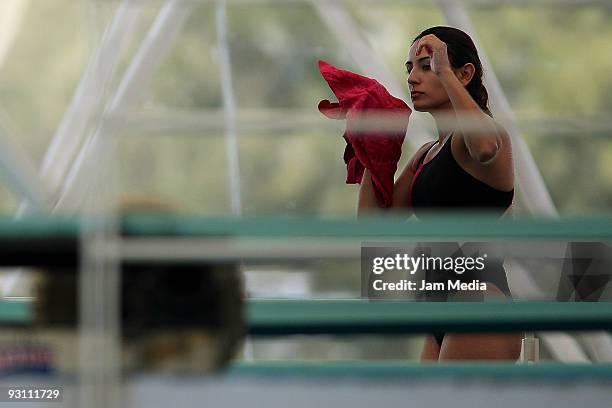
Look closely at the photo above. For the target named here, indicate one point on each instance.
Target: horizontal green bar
(286, 317)
(401, 371)
(38, 226)
(459, 226)
(353, 317)
(442, 227)
(16, 312)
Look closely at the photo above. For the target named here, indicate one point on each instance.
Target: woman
(469, 167)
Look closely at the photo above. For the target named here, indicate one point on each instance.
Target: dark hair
(461, 50)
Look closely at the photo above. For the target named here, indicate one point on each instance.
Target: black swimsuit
(442, 184)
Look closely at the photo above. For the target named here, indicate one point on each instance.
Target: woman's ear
(466, 73)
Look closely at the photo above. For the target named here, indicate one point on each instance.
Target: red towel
(367, 146)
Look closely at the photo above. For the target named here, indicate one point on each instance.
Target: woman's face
(426, 89)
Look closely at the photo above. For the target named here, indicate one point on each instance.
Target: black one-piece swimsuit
(442, 184)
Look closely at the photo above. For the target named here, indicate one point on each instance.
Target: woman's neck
(446, 123)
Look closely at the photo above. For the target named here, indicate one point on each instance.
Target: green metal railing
(277, 317)
(353, 317)
(405, 371)
(443, 227)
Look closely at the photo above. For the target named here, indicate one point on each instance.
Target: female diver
(468, 167)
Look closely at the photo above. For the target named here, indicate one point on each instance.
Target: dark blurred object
(160, 302)
(178, 315)
(54, 251)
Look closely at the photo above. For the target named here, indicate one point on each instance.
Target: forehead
(412, 55)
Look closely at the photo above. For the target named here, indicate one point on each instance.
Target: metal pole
(229, 108)
(87, 100)
(100, 363)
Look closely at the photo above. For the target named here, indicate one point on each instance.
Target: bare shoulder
(497, 172)
(402, 187)
(414, 160)
(502, 132)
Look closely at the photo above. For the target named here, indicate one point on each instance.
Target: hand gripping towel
(376, 124)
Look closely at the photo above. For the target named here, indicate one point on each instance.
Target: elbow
(486, 154)
(485, 149)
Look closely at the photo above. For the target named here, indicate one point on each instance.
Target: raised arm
(480, 132)
(481, 135)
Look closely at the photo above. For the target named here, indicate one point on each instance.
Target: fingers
(430, 43)
(424, 46)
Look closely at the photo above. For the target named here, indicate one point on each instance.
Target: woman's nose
(412, 78)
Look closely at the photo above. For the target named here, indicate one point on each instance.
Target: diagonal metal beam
(19, 172)
(158, 41)
(88, 97)
(85, 104)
